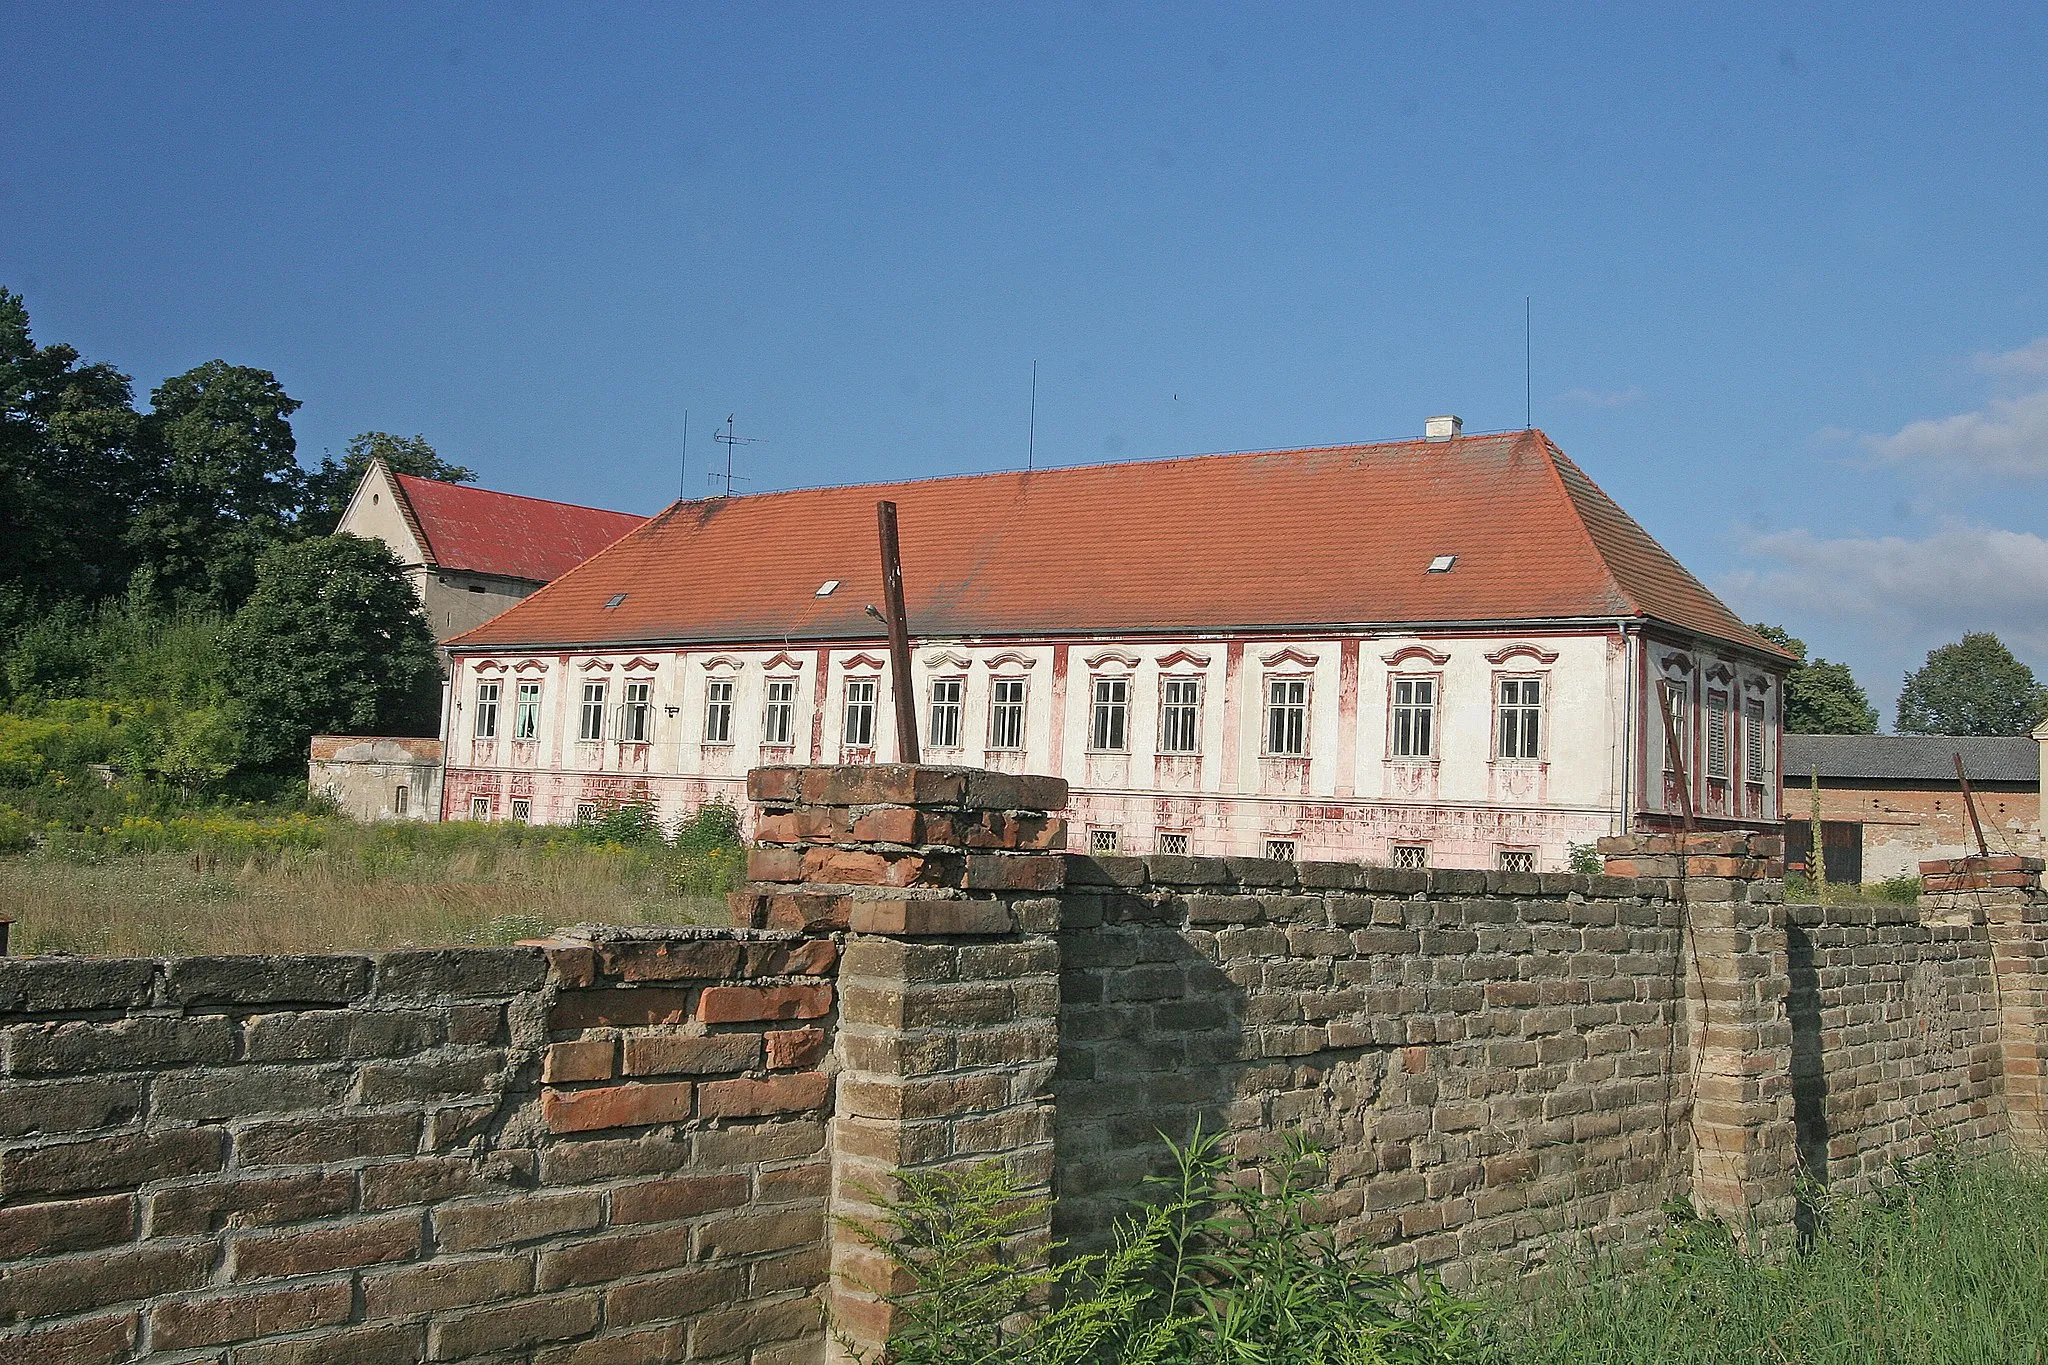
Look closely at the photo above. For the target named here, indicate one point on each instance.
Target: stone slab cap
(1735, 843)
(1997, 862)
(901, 784)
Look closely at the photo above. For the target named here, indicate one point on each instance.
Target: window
(1411, 856)
(1674, 702)
(1006, 714)
(1180, 716)
(1102, 842)
(487, 710)
(1414, 719)
(590, 724)
(479, 807)
(718, 711)
(1519, 718)
(1287, 716)
(1717, 735)
(1112, 710)
(948, 700)
(1173, 842)
(401, 797)
(586, 811)
(1280, 850)
(1517, 860)
(526, 713)
(522, 809)
(778, 724)
(1753, 739)
(860, 713)
(637, 722)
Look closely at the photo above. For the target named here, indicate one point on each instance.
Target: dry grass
(307, 901)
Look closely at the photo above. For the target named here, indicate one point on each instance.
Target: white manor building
(1446, 652)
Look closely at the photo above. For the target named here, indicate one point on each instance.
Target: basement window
(1517, 860)
(1442, 563)
(609, 602)
(1102, 842)
(1413, 857)
(522, 809)
(1280, 850)
(479, 807)
(1173, 842)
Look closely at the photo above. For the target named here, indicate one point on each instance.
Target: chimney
(1442, 428)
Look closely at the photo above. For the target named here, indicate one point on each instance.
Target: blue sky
(1787, 262)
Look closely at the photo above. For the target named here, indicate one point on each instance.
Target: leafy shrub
(1901, 890)
(1584, 859)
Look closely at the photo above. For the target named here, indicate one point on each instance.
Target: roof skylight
(1442, 563)
(614, 600)
(828, 587)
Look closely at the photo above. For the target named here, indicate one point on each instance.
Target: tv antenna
(729, 440)
(683, 465)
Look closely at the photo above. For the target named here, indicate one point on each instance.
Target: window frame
(1522, 709)
(1502, 855)
(1104, 842)
(1160, 838)
(1675, 695)
(1715, 731)
(1419, 863)
(1109, 719)
(999, 710)
(480, 808)
(872, 685)
(596, 692)
(586, 812)
(522, 809)
(526, 699)
(955, 710)
(1187, 709)
(485, 723)
(720, 695)
(1282, 848)
(636, 715)
(770, 705)
(1395, 708)
(1275, 713)
(1756, 753)
(401, 799)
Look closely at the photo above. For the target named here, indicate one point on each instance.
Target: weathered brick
(38, 1107)
(529, 1217)
(715, 1334)
(745, 1098)
(642, 1346)
(913, 918)
(315, 1141)
(627, 1007)
(265, 980)
(341, 1034)
(778, 785)
(597, 1259)
(602, 1159)
(633, 1105)
(1018, 872)
(109, 1163)
(987, 790)
(670, 1054)
(662, 1201)
(143, 1043)
(55, 985)
(91, 1341)
(830, 866)
(888, 825)
(521, 1324)
(681, 1294)
(198, 1096)
(584, 1059)
(258, 1201)
(775, 864)
(695, 959)
(440, 974)
(462, 1072)
(739, 1004)
(748, 1144)
(811, 957)
(311, 1250)
(379, 1344)
(212, 1319)
(440, 1285)
(65, 1225)
(792, 1048)
(78, 1284)
(885, 784)
(420, 1180)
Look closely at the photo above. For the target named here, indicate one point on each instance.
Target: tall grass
(1947, 1266)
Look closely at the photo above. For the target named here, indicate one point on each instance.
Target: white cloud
(2005, 436)
(2030, 359)
(1884, 601)
(1603, 398)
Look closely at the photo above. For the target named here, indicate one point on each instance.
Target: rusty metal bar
(1970, 805)
(899, 636)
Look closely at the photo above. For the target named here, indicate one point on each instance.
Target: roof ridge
(1551, 455)
(501, 493)
(406, 510)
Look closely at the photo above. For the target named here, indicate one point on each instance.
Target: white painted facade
(453, 600)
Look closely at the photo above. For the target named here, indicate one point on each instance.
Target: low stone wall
(609, 1148)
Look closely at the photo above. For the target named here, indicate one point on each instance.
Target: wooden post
(1970, 805)
(1677, 758)
(899, 636)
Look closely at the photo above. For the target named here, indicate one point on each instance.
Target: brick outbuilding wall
(631, 1145)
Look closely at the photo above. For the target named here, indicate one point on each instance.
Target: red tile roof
(1274, 540)
(481, 531)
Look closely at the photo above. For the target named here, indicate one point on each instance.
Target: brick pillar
(949, 985)
(1745, 1148)
(2003, 892)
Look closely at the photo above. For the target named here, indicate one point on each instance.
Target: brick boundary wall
(629, 1145)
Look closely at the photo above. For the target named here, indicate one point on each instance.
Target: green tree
(331, 642)
(1821, 698)
(225, 482)
(329, 487)
(1972, 687)
(68, 474)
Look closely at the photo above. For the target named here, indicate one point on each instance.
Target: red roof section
(505, 534)
(1273, 540)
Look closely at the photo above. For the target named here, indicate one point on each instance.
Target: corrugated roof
(1335, 536)
(504, 533)
(1912, 758)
